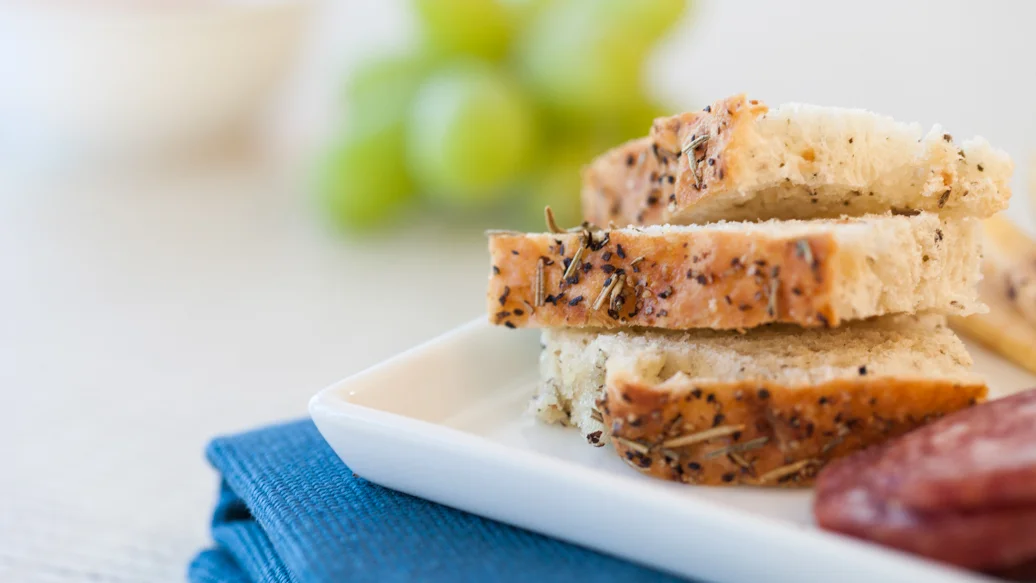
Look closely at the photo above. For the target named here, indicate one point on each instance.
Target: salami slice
(961, 490)
(980, 458)
(991, 539)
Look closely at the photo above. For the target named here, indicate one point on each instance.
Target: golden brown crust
(658, 169)
(713, 279)
(766, 434)
(715, 161)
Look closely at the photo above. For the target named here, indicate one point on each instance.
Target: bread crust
(777, 435)
(719, 279)
(648, 180)
(733, 276)
(718, 163)
(651, 181)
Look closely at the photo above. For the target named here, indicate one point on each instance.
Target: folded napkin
(290, 511)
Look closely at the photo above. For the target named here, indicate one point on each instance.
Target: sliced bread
(736, 275)
(769, 407)
(1009, 289)
(1010, 266)
(1002, 329)
(737, 160)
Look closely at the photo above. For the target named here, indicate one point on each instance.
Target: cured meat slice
(961, 490)
(991, 539)
(982, 457)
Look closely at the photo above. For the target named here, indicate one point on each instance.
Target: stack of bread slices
(777, 297)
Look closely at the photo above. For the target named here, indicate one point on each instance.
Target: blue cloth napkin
(290, 511)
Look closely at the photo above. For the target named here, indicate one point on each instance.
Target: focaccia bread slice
(739, 160)
(769, 407)
(736, 275)
(1008, 288)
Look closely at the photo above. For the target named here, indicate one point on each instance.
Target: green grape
(480, 28)
(584, 58)
(363, 181)
(578, 62)
(556, 186)
(471, 132)
(636, 122)
(522, 12)
(381, 90)
(618, 126)
(645, 19)
(558, 182)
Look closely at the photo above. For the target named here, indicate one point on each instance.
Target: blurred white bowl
(139, 77)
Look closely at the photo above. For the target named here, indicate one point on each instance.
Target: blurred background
(211, 209)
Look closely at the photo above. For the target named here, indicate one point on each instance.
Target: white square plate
(447, 421)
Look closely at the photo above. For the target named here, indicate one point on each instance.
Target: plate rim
(331, 406)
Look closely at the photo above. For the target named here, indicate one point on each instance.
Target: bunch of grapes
(498, 107)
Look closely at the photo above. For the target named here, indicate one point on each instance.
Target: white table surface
(135, 324)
